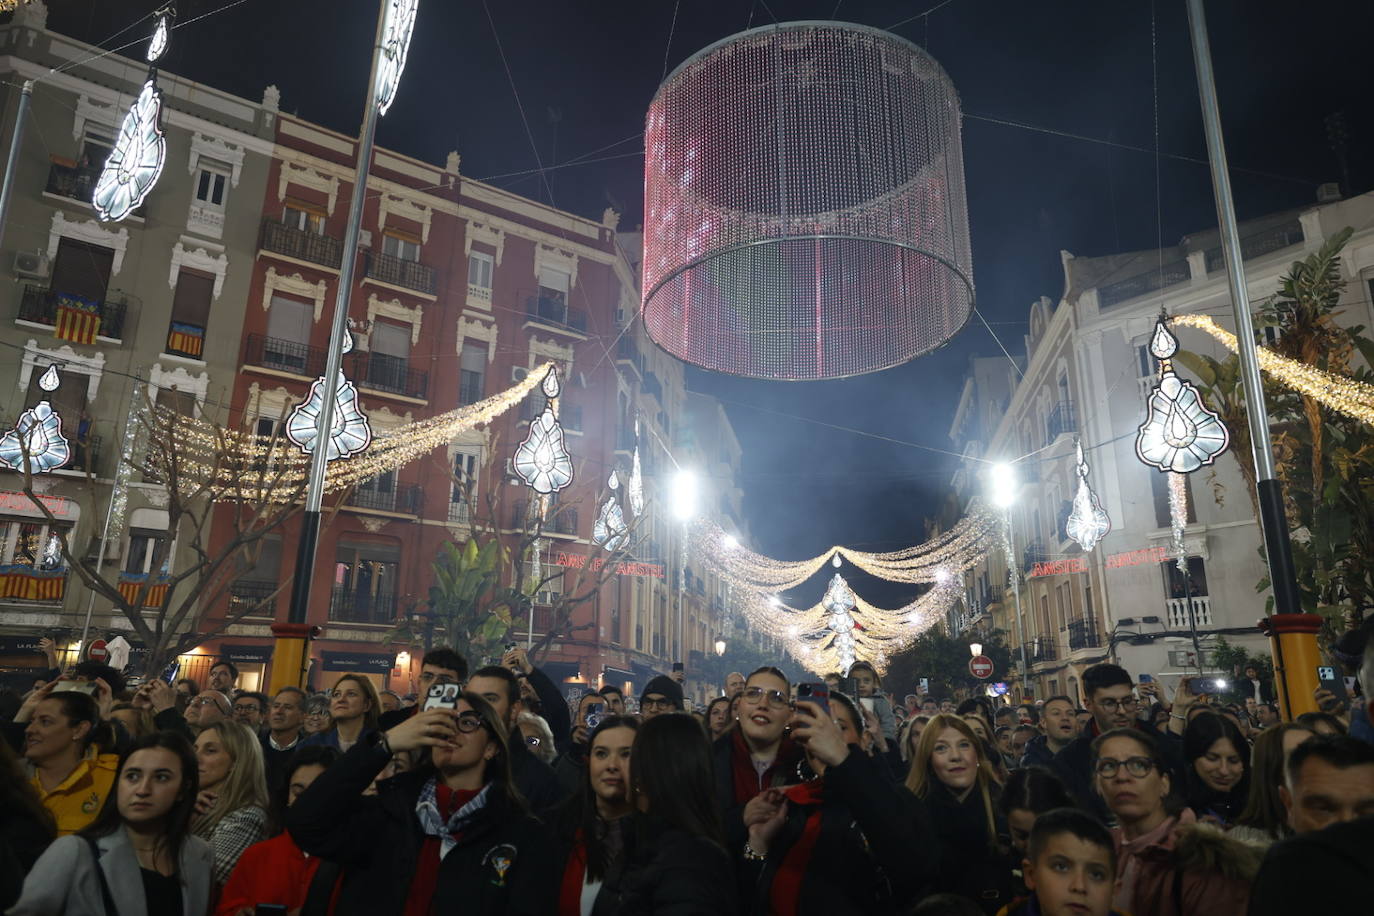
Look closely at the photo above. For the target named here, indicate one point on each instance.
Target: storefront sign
(16, 645)
(17, 503)
(368, 662)
(1146, 557)
(1059, 567)
(622, 568)
(251, 655)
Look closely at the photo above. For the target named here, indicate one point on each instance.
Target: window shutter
(289, 319)
(191, 301)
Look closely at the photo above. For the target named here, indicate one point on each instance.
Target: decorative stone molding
(87, 230)
(35, 357)
(373, 523)
(178, 379)
(383, 419)
(308, 178)
(198, 258)
(541, 350)
(271, 98)
(557, 259)
(295, 285)
(610, 218)
(273, 403)
(218, 150)
(484, 233)
(390, 205)
(477, 330)
(412, 315)
(90, 111)
(33, 15)
(451, 167)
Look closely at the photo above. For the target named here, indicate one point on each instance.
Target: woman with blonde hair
(951, 776)
(231, 809)
(354, 709)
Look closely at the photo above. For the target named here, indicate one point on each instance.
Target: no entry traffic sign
(980, 666)
(98, 652)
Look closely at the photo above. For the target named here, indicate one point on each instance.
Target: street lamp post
(684, 506)
(1003, 486)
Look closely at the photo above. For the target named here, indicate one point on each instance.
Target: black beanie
(666, 686)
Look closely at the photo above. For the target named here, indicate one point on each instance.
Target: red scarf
(747, 781)
(784, 895)
(420, 897)
(574, 877)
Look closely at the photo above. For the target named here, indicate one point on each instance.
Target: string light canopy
(350, 431)
(1179, 434)
(391, 63)
(36, 439)
(542, 460)
(140, 150)
(805, 208)
(1088, 523)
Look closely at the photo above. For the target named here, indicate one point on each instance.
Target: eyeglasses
(1137, 766)
(657, 703)
(755, 696)
(247, 708)
(469, 722)
(1109, 705)
(427, 676)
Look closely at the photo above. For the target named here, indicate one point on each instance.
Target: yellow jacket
(76, 801)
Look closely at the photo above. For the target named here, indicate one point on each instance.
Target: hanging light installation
(839, 604)
(1088, 523)
(399, 25)
(37, 436)
(542, 460)
(350, 431)
(140, 150)
(609, 528)
(635, 488)
(805, 212)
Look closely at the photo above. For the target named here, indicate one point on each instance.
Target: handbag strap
(110, 908)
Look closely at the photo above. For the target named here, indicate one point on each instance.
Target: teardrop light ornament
(157, 45)
(635, 490)
(542, 461)
(49, 380)
(136, 161)
(609, 529)
(550, 385)
(350, 433)
(1164, 344)
(1088, 523)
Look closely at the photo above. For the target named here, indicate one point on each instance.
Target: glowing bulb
(976, 648)
(774, 601)
(1002, 480)
(942, 576)
(729, 542)
(684, 495)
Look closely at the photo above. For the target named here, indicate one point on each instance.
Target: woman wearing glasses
(756, 755)
(448, 834)
(317, 719)
(1167, 863)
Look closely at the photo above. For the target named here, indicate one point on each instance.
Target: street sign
(980, 666)
(97, 652)
(1000, 689)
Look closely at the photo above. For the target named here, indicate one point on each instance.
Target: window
(390, 344)
(480, 266)
(31, 544)
(181, 403)
(211, 181)
(365, 578)
(407, 249)
(1159, 487)
(82, 269)
(287, 346)
(143, 545)
(464, 490)
(305, 217)
(1177, 586)
(472, 373)
(190, 313)
(377, 492)
(1145, 361)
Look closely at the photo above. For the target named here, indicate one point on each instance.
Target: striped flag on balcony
(78, 319)
(186, 338)
(154, 596)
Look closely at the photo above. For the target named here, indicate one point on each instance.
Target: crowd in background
(487, 791)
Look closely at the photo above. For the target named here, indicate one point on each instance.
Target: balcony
(300, 244)
(405, 499)
(85, 455)
(1143, 283)
(554, 313)
(347, 606)
(1176, 610)
(284, 356)
(248, 596)
(383, 372)
(1063, 421)
(561, 520)
(387, 268)
(1043, 649)
(1033, 553)
(1259, 244)
(460, 513)
(39, 305)
(626, 352)
(1083, 635)
(72, 181)
(470, 387)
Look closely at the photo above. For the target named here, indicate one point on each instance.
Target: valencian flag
(186, 338)
(78, 318)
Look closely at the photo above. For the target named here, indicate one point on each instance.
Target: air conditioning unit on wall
(31, 264)
(518, 373)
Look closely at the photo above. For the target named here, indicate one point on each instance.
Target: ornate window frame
(36, 357)
(218, 150)
(294, 285)
(88, 230)
(308, 178)
(472, 328)
(178, 379)
(482, 232)
(556, 259)
(393, 308)
(198, 258)
(416, 212)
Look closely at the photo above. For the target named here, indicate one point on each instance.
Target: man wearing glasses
(662, 694)
(206, 708)
(1109, 695)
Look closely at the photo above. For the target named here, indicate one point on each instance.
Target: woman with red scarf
(593, 823)
(757, 754)
(845, 841)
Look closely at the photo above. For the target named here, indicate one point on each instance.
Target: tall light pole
(685, 493)
(1273, 521)
(395, 20)
(1003, 485)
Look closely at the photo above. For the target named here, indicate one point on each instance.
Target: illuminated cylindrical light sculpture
(805, 207)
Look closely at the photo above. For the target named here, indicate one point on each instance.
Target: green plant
(465, 608)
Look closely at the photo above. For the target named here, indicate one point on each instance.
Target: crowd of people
(487, 792)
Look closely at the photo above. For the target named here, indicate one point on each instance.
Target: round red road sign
(980, 666)
(97, 652)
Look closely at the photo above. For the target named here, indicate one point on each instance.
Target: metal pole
(1273, 521)
(1015, 571)
(21, 118)
(314, 495)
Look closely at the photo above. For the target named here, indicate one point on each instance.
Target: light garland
(1340, 393)
(1088, 522)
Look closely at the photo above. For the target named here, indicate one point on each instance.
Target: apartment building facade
(1085, 377)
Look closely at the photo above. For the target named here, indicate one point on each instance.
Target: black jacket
(731, 813)
(1325, 872)
(671, 873)
(968, 860)
(535, 779)
(1038, 753)
(862, 861)
(377, 840)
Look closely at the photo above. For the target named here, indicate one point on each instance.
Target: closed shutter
(289, 319)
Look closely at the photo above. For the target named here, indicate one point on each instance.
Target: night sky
(585, 72)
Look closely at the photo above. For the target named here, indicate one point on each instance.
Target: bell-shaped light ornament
(542, 461)
(350, 431)
(135, 162)
(609, 528)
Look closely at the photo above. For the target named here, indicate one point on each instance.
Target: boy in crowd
(1070, 867)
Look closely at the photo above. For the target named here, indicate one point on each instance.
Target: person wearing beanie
(662, 694)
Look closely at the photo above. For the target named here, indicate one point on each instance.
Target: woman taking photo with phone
(138, 857)
(231, 810)
(952, 778)
(448, 835)
(592, 824)
(841, 841)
